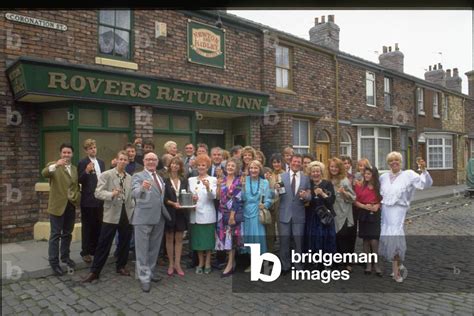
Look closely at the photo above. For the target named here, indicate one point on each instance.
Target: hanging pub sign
(206, 44)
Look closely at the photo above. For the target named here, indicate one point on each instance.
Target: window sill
(371, 105)
(116, 63)
(286, 91)
(422, 113)
(439, 169)
(436, 116)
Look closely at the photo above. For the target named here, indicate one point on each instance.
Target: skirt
(392, 235)
(203, 236)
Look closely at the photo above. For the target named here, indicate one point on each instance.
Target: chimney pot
(448, 73)
(390, 48)
(430, 68)
(384, 49)
(434, 67)
(316, 21)
(331, 18)
(323, 19)
(440, 66)
(396, 46)
(455, 72)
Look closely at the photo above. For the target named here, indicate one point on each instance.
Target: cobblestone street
(210, 294)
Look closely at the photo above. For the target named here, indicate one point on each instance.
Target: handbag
(325, 215)
(265, 216)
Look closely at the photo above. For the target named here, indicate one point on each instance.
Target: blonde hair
(317, 164)
(394, 154)
(168, 144)
(256, 163)
(88, 143)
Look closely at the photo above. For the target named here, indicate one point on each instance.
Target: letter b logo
(256, 261)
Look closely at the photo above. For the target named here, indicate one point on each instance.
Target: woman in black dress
(175, 182)
(319, 236)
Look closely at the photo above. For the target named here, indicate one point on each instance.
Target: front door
(322, 152)
(211, 140)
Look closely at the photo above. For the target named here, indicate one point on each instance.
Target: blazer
(291, 208)
(205, 211)
(209, 171)
(108, 181)
(149, 204)
(63, 186)
(89, 183)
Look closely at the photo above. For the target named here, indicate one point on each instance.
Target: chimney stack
(453, 81)
(470, 80)
(325, 34)
(392, 59)
(436, 75)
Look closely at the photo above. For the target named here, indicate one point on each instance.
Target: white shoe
(402, 267)
(399, 279)
(247, 270)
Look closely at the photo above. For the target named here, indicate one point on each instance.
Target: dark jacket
(89, 183)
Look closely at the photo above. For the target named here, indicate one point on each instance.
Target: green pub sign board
(206, 44)
(31, 77)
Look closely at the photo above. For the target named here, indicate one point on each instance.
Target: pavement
(29, 259)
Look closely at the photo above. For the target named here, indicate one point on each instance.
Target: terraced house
(206, 76)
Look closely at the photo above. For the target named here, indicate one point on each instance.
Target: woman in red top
(368, 204)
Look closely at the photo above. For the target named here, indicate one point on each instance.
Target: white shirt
(157, 177)
(297, 180)
(96, 166)
(205, 211)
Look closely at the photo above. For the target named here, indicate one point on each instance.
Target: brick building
(204, 76)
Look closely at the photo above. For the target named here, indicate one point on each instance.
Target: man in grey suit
(148, 220)
(292, 211)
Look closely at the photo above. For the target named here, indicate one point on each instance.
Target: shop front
(76, 102)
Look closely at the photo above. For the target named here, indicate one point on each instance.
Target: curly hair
(342, 171)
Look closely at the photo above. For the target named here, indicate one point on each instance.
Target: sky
(425, 37)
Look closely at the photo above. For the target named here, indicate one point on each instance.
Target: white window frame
(445, 149)
(283, 68)
(298, 147)
(387, 92)
(376, 137)
(446, 108)
(345, 147)
(420, 101)
(367, 80)
(436, 105)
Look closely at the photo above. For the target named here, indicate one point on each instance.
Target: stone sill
(42, 187)
(116, 63)
(286, 91)
(436, 116)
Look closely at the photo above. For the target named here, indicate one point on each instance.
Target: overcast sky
(425, 37)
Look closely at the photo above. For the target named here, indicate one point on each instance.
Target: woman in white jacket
(397, 188)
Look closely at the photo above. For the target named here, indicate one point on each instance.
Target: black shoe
(71, 264)
(156, 278)
(146, 287)
(57, 270)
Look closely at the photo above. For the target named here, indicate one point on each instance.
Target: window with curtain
(387, 93)
(283, 67)
(370, 88)
(301, 136)
(345, 145)
(375, 144)
(115, 31)
(435, 105)
(420, 101)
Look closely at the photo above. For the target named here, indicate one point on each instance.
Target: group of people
(236, 199)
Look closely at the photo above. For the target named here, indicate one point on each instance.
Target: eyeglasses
(151, 159)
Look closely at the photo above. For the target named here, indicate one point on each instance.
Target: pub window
(387, 93)
(301, 136)
(420, 101)
(370, 88)
(435, 105)
(115, 33)
(283, 67)
(178, 127)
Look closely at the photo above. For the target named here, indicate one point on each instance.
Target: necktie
(187, 161)
(157, 182)
(293, 183)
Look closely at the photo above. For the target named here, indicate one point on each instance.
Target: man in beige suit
(114, 187)
(64, 197)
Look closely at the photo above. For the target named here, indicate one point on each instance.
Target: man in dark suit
(89, 170)
(64, 197)
(292, 211)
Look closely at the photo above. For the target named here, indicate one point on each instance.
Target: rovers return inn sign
(206, 44)
(38, 80)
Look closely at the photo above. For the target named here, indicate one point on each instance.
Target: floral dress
(229, 237)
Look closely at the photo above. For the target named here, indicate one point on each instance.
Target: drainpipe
(337, 106)
(415, 107)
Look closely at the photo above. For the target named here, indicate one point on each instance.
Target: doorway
(211, 140)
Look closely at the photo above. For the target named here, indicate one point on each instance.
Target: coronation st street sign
(75, 82)
(34, 21)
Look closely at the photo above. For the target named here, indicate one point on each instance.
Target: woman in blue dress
(257, 195)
